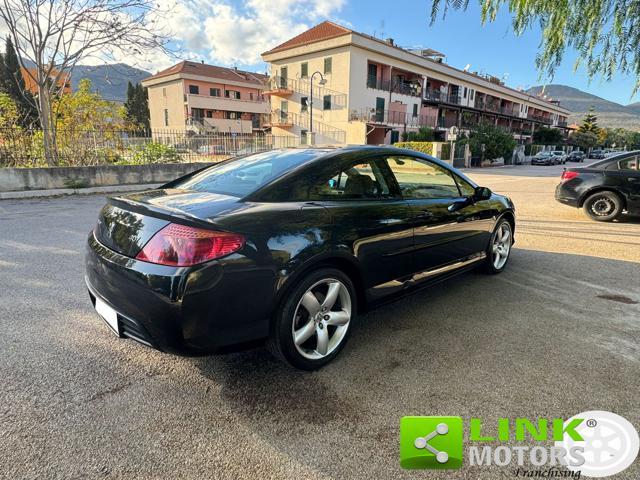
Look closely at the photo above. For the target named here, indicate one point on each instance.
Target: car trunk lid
(128, 222)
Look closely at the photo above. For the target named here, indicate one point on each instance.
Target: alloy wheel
(501, 246)
(321, 319)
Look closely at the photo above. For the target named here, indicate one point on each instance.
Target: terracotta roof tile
(322, 31)
(205, 70)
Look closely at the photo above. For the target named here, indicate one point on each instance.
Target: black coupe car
(287, 245)
(604, 189)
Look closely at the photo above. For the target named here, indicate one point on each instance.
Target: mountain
(610, 114)
(109, 80)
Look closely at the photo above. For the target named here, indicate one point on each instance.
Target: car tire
(603, 206)
(309, 329)
(499, 246)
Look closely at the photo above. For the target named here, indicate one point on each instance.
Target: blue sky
(233, 32)
(493, 48)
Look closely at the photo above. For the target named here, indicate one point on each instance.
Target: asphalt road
(556, 334)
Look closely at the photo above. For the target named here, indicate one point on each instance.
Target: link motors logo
(593, 444)
(609, 441)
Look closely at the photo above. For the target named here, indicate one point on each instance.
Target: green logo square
(431, 442)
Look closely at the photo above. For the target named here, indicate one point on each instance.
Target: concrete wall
(19, 179)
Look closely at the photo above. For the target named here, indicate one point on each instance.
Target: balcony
(280, 86)
(412, 89)
(562, 124)
(390, 117)
(228, 104)
(280, 119)
(441, 97)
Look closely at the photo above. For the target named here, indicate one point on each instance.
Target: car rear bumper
(187, 311)
(563, 195)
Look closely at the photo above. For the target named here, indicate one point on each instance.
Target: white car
(559, 156)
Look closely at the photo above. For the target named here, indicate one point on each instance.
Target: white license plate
(108, 314)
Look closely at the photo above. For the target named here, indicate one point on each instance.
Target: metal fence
(21, 148)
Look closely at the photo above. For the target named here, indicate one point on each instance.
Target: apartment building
(361, 89)
(206, 98)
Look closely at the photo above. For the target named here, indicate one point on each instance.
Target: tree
(55, 35)
(85, 110)
(12, 83)
(136, 107)
(605, 33)
(590, 123)
(547, 136)
(584, 140)
(497, 143)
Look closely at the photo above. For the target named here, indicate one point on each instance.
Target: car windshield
(558, 152)
(245, 175)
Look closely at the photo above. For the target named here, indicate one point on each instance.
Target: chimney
(390, 41)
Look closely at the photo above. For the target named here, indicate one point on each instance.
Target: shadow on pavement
(528, 342)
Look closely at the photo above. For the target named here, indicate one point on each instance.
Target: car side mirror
(482, 193)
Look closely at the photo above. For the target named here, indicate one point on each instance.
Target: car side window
(364, 180)
(466, 189)
(422, 178)
(631, 163)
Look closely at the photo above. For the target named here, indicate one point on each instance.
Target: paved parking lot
(556, 334)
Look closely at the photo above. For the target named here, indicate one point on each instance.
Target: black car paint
(208, 307)
(601, 176)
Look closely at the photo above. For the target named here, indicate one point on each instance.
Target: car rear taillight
(567, 175)
(181, 246)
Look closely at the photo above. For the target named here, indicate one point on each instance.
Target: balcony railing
(413, 89)
(444, 122)
(281, 86)
(562, 124)
(390, 117)
(443, 97)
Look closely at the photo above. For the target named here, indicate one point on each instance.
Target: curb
(59, 192)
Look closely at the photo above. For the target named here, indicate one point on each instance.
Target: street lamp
(321, 82)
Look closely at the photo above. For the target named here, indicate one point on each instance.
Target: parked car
(576, 156)
(211, 150)
(287, 245)
(597, 154)
(603, 189)
(544, 158)
(560, 156)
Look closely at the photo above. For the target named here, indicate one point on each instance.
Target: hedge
(424, 147)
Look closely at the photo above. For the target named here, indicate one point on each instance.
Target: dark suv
(604, 189)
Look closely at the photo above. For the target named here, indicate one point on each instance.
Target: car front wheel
(313, 322)
(603, 206)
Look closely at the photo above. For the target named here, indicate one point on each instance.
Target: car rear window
(245, 175)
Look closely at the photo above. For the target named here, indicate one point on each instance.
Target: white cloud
(227, 33)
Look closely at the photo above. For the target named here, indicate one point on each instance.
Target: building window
(209, 114)
(326, 102)
(464, 92)
(304, 70)
(304, 104)
(194, 89)
(327, 65)
(250, 95)
(166, 117)
(303, 137)
(232, 94)
(233, 115)
(415, 109)
(471, 94)
(214, 92)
